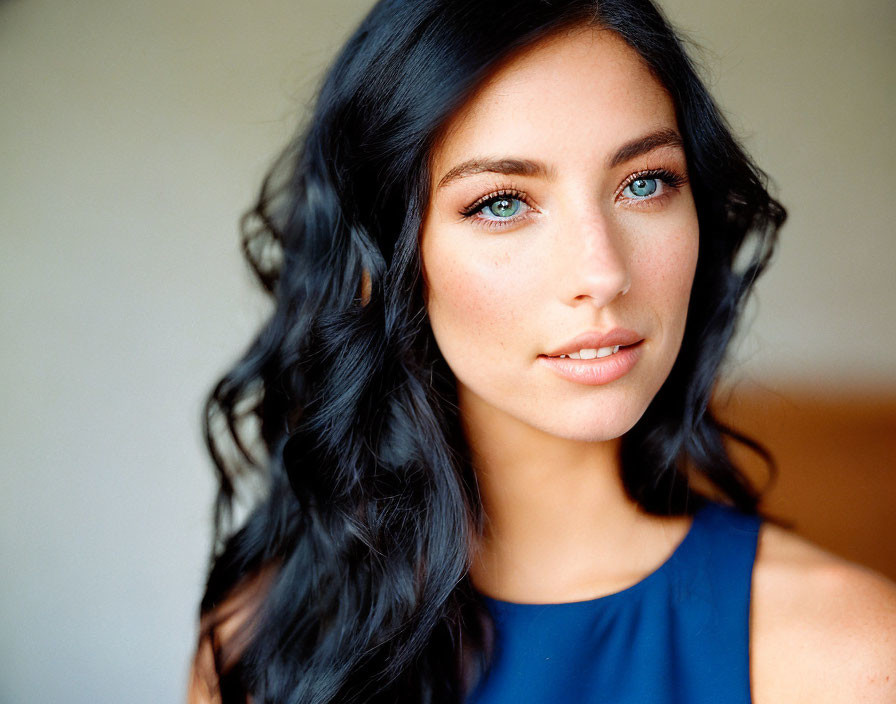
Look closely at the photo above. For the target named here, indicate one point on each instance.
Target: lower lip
(597, 371)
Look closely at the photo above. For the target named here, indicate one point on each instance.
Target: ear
(365, 287)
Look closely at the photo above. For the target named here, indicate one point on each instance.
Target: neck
(559, 525)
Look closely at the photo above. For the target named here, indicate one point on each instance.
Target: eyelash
(670, 179)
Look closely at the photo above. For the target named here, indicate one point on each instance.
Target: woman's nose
(597, 263)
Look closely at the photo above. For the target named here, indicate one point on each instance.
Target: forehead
(573, 95)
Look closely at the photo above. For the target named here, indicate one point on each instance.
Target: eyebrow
(666, 137)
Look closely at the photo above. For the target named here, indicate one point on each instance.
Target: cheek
(668, 270)
(475, 301)
(668, 276)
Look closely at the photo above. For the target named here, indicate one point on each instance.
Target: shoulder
(823, 629)
(224, 632)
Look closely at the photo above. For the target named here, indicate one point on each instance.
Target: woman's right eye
(503, 206)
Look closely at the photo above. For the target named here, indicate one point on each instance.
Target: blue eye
(502, 207)
(642, 187)
(507, 207)
(498, 209)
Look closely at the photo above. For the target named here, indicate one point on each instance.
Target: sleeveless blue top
(679, 636)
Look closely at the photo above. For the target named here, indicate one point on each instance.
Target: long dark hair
(339, 425)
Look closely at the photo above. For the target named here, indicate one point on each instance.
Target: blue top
(680, 635)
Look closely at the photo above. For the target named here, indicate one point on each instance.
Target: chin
(602, 417)
(591, 422)
(599, 430)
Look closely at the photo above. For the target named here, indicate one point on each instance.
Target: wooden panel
(836, 452)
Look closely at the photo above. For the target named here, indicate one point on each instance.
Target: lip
(597, 371)
(594, 339)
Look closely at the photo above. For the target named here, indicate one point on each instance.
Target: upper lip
(594, 339)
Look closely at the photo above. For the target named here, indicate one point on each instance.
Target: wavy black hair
(338, 427)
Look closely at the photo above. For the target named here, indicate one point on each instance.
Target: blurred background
(132, 137)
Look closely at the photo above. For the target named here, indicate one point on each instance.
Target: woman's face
(555, 230)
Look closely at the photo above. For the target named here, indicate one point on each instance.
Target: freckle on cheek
(471, 303)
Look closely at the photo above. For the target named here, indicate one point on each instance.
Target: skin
(582, 253)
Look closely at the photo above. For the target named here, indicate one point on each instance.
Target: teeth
(592, 353)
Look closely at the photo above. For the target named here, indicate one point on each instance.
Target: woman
(503, 259)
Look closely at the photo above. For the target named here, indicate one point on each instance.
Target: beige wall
(133, 134)
(809, 85)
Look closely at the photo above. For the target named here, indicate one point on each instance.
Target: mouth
(591, 353)
(595, 367)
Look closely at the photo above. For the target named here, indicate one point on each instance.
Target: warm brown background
(836, 454)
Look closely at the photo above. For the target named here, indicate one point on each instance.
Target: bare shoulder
(823, 629)
(223, 634)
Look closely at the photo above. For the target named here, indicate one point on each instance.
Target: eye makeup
(671, 181)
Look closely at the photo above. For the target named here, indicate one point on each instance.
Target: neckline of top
(698, 518)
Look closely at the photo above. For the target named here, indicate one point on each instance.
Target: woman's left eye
(643, 186)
